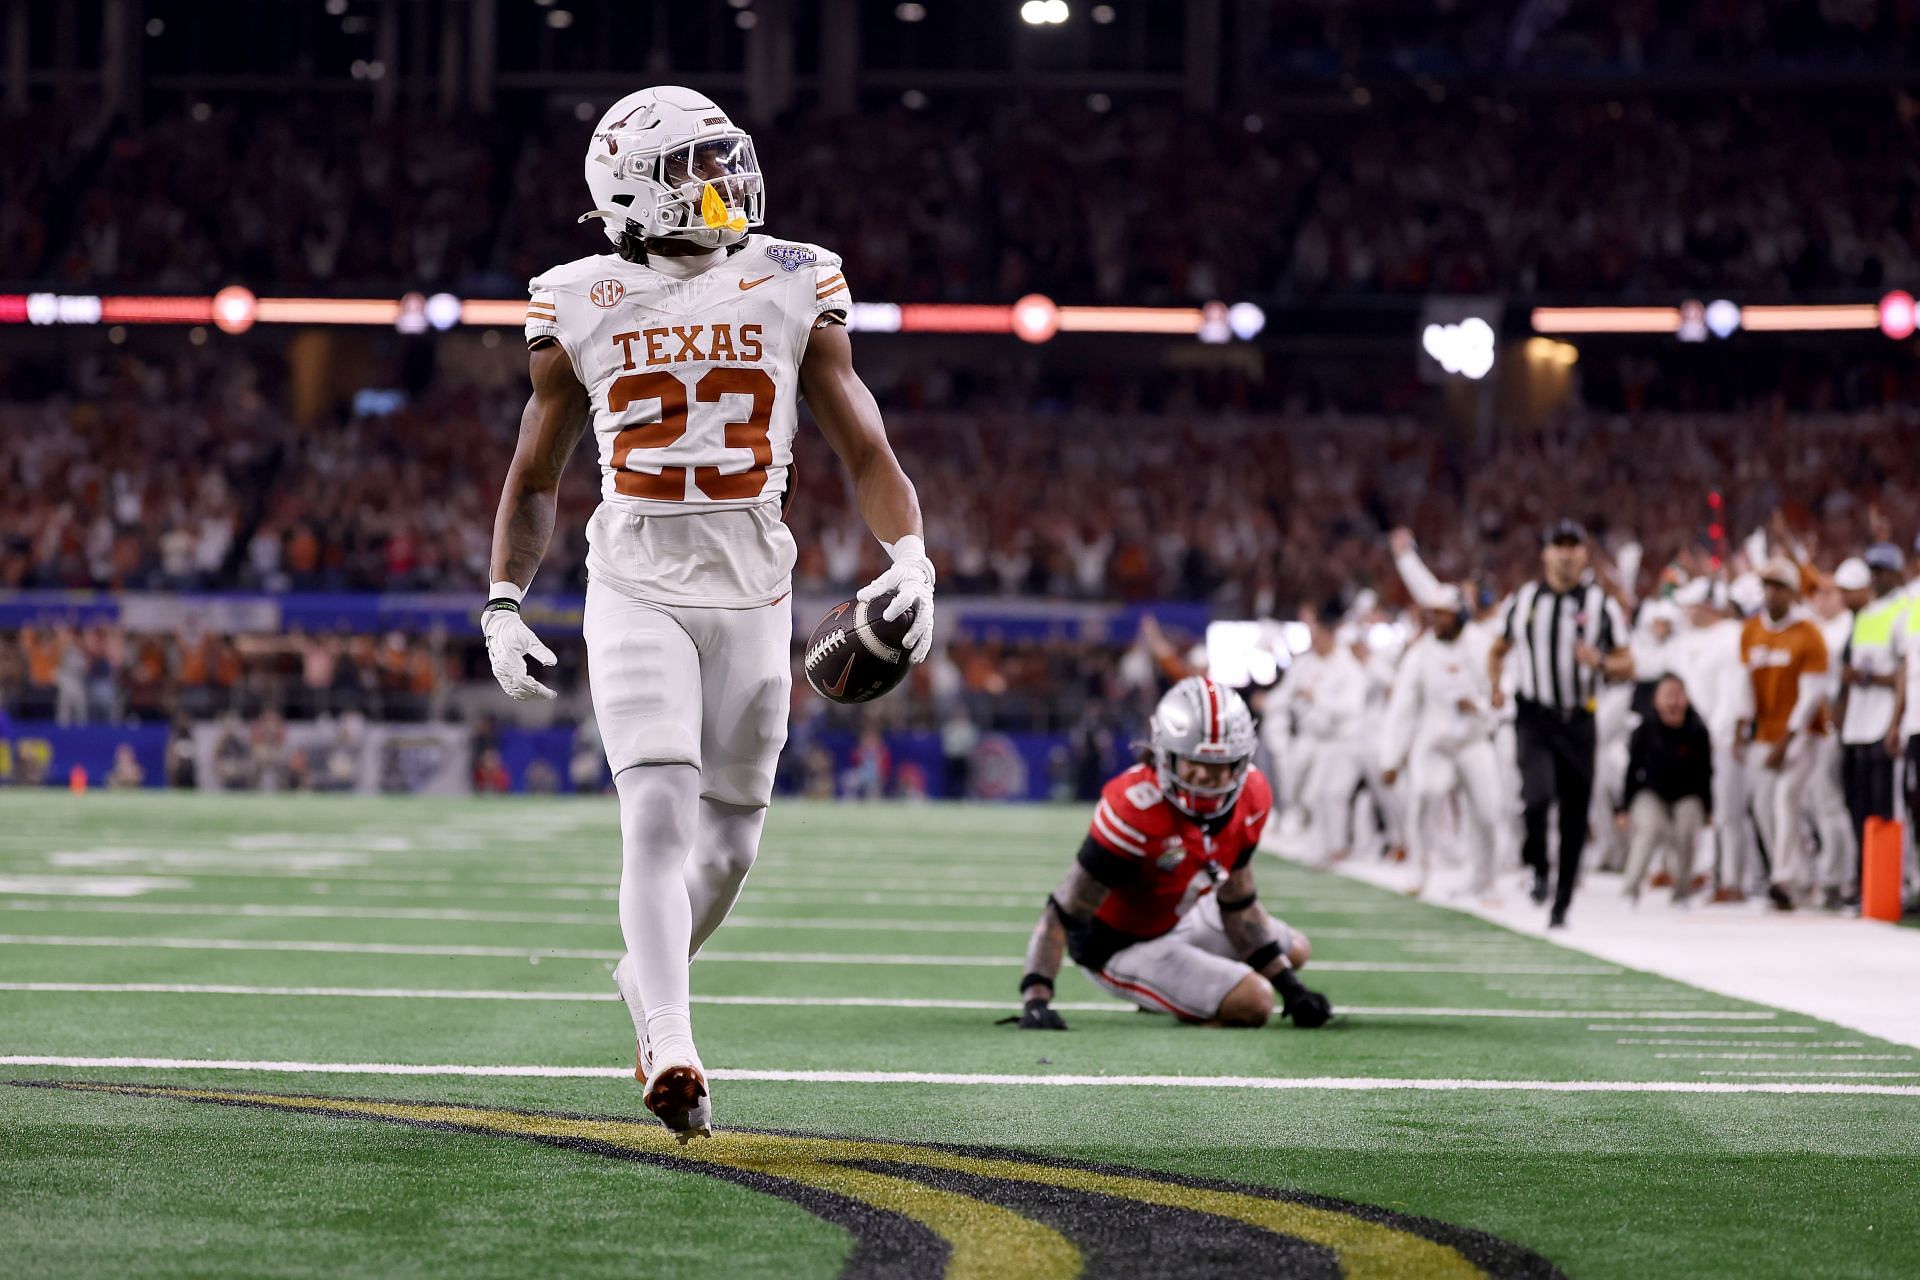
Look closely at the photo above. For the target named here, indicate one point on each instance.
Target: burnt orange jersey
(1775, 660)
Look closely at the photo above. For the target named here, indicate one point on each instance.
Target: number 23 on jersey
(671, 391)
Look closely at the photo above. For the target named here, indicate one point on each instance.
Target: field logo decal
(970, 1213)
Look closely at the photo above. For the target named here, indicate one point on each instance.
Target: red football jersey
(1179, 861)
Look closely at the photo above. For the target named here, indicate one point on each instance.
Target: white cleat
(676, 1091)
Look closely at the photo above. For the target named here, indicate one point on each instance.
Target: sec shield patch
(606, 292)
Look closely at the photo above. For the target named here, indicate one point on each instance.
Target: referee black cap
(1565, 530)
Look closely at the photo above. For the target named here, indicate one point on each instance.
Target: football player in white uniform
(687, 351)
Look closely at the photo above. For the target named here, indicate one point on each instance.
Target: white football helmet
(667, 162)
(1201, 720)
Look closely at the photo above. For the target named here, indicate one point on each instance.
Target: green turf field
(323, 941)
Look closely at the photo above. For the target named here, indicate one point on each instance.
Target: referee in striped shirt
(1567, 635)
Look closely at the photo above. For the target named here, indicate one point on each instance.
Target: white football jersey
(695, 389)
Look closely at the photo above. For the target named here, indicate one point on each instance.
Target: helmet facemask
(1201, 796)
(705, 189)
(711, 191)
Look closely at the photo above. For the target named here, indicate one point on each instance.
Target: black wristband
(1263, 956)
(1034, 980)
(1288, 985)
(1239, 904)
(1065, 917)
(501, 602)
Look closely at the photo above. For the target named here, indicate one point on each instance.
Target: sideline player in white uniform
(688, 352)
(1439, 724)
(1325, 691)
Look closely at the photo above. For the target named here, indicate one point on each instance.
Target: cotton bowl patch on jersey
(792, 257)
(855, 654)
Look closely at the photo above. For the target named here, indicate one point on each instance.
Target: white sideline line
(798, 1002)
(732, 957)
(1364, 1084)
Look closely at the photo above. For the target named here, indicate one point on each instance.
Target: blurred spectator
(1669, 787)
(126, 771)
(490, 773)
(872, 764)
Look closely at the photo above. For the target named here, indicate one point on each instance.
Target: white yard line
(1824, 1075)
(723, 957)
(1360, 1084)
(1793, 1031)
(1799, 1057)
(1858, 974)
(1748, 1044)
(597, 919)
(798, 1002)
(90, 886)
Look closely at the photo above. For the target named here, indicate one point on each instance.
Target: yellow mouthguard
(713, 211)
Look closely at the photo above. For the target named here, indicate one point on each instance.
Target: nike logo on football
(839, 686)
(748, 284)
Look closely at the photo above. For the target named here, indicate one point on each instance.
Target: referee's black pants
(1556, 756)
(1866, 775)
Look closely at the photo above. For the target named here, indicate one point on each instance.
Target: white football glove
(911, 579)
(510, 642)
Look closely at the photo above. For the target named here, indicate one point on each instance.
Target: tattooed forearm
(528, 518)
(1250, 930)
(1079, 895)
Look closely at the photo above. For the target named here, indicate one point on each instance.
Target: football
(854, 654)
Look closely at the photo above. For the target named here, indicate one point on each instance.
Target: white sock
(723, 853)
(658, 808)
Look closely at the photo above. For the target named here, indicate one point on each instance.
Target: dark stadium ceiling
(479, 54)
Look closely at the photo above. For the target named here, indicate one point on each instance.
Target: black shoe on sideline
(1558, 920)
(1780, 898)
(1539, 893)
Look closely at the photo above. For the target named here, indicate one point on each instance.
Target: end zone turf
(1582, 1118)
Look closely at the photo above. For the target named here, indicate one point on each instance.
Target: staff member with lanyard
(1872, 690)
(1566, 635)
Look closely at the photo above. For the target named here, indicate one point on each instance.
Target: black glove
(1038, 1015)
(1307, 1008)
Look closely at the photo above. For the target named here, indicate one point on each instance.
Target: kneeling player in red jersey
(1139, 911)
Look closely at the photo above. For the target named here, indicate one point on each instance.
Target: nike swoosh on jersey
(748, 284)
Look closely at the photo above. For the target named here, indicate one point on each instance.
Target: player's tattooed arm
(551, 425)
(1075, 901)
(850, 420)
(1256, 938)
(1249, 928)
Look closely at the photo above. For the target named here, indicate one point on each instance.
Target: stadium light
(1465, 348)
(1044, 13)
(234, 309)
(1246, 320)
(1035, 318)
(1896, 315)
(1723, 318)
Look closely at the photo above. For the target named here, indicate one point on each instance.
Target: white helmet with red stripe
(1205, 722)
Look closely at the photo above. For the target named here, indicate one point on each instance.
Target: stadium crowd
(1626, 195)
(1096, 501)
